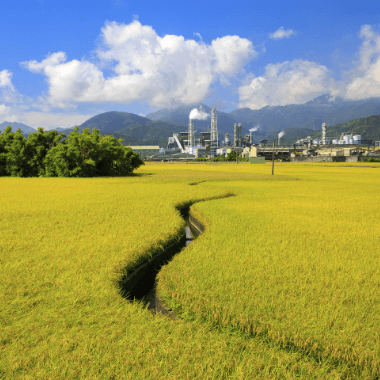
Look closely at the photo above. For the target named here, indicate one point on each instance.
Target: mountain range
(297, 120)
(310, 115)
(24, 128)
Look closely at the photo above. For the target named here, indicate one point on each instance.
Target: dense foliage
(51, 154)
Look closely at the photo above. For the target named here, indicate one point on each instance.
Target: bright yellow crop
(296, 261)
(269, 256)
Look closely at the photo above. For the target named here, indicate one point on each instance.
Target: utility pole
(273, 159)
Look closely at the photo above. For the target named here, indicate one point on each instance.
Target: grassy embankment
(64, 242)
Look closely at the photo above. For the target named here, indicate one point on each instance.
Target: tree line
(53, 154)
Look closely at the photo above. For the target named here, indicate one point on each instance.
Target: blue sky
(65, 61)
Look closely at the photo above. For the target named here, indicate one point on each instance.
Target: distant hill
(368, 128)
(151, 133)
(273, 119)
(134, 129)
(24, 128)
(110, 122)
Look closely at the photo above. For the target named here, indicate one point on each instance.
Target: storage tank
(346, 139)
(316, 142)
(341, 142)
(357, 139)
(351, 141)
(335, 142)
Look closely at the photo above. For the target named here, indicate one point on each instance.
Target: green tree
(90, 154)
(16, 153)
(37, 146)
(6, 139)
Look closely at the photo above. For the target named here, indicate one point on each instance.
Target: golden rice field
(283, 284)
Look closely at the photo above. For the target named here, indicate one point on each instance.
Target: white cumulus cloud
(290, 82)
(196, 114)
(6, 79)
(366, 76)
(68, 81)
(5, 111)
(281, 33)
(162, 71)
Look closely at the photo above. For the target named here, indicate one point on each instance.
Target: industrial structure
(205, 142)
(190, 144)
(348, 147)
(214, 143)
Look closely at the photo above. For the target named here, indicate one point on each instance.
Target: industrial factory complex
(189, 145)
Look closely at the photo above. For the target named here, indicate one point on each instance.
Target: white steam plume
(281, 134)
(195, 114)
(254, 129)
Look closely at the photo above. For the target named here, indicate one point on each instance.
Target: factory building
(348, 147)
(346, 138)
(206, 142)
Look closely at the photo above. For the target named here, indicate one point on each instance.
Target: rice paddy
(283, 284)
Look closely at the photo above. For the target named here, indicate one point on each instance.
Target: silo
(316, 142)
(357, 139)
(335, 141)
(346, 139)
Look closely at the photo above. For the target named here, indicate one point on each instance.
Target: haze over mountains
(296, 119)
(323, 109)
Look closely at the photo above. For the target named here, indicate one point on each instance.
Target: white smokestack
(279, 136)
(324, 133)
